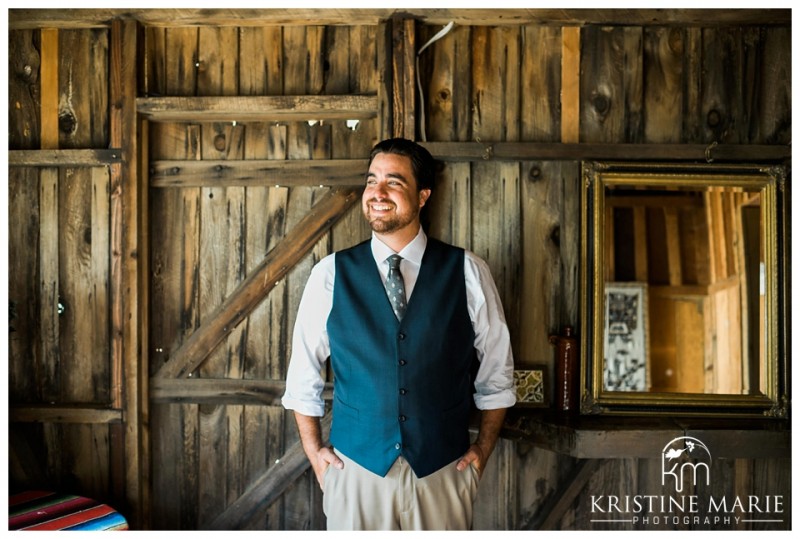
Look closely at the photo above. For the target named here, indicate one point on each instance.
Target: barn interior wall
(199, 451)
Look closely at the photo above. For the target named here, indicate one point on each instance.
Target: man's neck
(398, 239)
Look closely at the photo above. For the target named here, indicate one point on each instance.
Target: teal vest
(401, 388)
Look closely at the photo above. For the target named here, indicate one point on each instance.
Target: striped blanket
(38, 510)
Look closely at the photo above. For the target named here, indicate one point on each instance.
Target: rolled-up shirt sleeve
(494, 383)
(310, 345)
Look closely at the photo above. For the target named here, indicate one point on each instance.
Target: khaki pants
(356, 499)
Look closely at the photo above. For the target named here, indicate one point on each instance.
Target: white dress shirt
(494, 384)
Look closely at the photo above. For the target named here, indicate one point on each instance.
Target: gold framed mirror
(680, 279)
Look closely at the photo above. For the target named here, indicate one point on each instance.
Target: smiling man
(401, 317)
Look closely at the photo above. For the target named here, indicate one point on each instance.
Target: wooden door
(242, 202)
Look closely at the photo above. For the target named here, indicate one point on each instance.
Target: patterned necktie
(395, 288)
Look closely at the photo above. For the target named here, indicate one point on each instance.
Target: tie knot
(394, 261)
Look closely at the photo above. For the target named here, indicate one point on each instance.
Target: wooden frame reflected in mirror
(680, 280)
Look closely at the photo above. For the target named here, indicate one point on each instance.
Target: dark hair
(422, 163)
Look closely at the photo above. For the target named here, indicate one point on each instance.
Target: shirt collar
(412, 252)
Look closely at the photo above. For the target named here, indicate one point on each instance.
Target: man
(401, 334)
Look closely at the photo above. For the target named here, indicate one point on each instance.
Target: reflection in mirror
(680, 270)
(692, 259)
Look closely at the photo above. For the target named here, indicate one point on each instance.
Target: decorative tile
(530, 386)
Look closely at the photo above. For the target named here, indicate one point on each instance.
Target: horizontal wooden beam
(221, 391)
(267, 488)
(278, 262)
(289, 108)
(594, 437)
(90, 18)
(64, 158)
(46, 413)
(556, 151)
(258, 172)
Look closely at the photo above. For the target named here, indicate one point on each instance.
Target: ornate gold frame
(769, 180)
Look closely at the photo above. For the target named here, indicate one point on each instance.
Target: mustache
(380, 201)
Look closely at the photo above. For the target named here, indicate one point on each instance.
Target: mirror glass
(680, 274)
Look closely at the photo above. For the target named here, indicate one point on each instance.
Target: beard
(392, 223)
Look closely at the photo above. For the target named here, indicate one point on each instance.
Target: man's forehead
(392, 164)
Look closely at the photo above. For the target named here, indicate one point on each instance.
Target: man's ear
(424, 194)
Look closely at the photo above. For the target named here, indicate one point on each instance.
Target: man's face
(391, 201)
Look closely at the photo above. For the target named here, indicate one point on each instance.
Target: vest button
(402, 418)
(402, 362)
(401, 336)
(397, 446)
(403, 391)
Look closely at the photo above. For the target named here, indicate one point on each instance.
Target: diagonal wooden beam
(269, 486)
(255, 287)
(557, 504)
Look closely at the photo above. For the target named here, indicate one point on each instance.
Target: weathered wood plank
(83, 89)
(126, 250)
(34, 18)
(24, 289)
(769, 112)
(99, 288)
(521, 151)
(261, 52)
(385, 80)
(48, 357)
(693, 115)
(154, 58)
(174, 316)
(664, 50)
(84, 219)
(496, 185)
(222, 391)
(61, 158)
(49, 274)
(542, 86)
(403, 77)
(544, 207)
(542, 188)
(48, 84)
(221, 270)
(611, 84)
(722, 89)
(450, 206)
(23, 87)
(221, 207)
(181, 62)
(447, 92)
(258, 173)
(55, 413)
(570, 84)
(292, 108)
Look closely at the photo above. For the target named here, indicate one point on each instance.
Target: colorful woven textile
(39, 510)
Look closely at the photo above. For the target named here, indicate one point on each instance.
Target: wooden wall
(153, 290)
